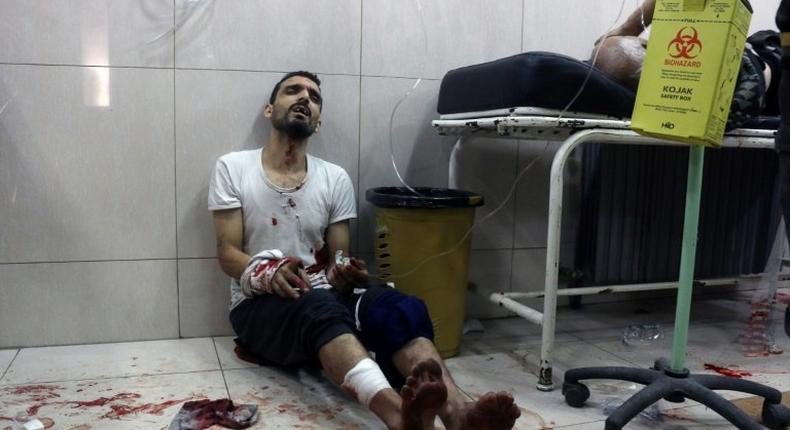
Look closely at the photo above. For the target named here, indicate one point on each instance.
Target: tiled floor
(140, 385)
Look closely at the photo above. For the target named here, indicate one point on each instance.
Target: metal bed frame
(573, 130)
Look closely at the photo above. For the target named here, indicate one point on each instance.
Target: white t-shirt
(293, 221)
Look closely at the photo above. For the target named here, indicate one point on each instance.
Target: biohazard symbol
(686, 44)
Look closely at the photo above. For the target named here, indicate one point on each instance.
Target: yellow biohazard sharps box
(690, 69)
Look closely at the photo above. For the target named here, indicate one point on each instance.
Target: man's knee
(322, 305)
(393, 320)
(322, 318)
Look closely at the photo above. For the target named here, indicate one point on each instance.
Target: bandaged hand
(269, 272)
(347, 275)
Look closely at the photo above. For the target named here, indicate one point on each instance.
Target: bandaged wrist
(261, 274)
(253, 280)
(365, 380)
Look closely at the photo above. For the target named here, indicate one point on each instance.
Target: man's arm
(344, 277)
(229, 227)
(634, 25)
(338, 238)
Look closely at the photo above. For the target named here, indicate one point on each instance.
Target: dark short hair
(312, 76)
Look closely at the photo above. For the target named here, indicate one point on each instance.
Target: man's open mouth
(301, 109)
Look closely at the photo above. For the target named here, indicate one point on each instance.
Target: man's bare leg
(494, 411)
(344, 352)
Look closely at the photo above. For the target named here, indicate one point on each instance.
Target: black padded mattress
(540, 79)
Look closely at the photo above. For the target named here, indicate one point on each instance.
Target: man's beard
(295, 129)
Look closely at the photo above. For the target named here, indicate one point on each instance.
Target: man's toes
(407, 393)
(514, 412)
(504, 399)
(488, 402)
(418, 370)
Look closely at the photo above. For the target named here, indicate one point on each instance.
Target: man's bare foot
(423, 395)
(493, 411)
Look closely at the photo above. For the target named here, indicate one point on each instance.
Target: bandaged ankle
(365, 380)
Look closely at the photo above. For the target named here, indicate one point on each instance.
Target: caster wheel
(575, 394)
(775, 416)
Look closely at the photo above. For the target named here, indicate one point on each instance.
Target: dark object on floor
(662, 383)
(201, 414)
(787, 320)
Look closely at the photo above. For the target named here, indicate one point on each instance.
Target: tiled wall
(113, 112)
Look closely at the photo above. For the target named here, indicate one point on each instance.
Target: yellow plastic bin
(422, 246)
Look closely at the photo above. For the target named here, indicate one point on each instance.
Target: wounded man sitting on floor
(282, 217)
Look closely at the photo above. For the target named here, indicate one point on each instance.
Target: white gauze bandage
(365, 380)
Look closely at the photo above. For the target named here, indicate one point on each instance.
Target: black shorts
(288, 332)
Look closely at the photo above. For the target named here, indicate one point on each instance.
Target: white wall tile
(491, 271)
(67, 303)
(203, 298)
(569, 26)
(764, 15)
(532, 192)
(488, 167)
(421, 155)
(269, 35)
(86, 163)
(220, 111)
(87, 32)
(457, 33)
(529, 274)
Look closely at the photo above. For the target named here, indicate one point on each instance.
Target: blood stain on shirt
(274, 221)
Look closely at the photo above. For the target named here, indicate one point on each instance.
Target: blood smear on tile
(101, 401)
(146, 408)
(738, 374)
